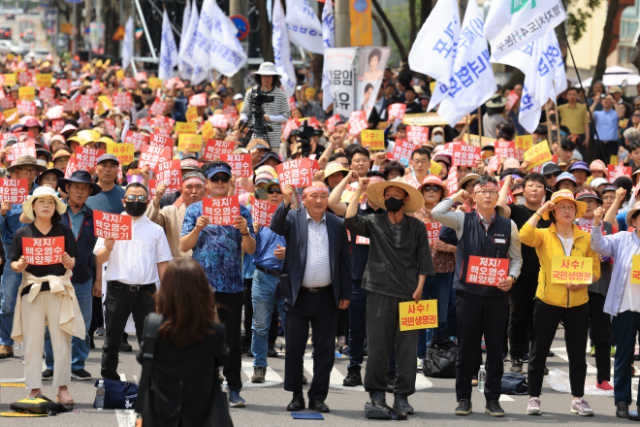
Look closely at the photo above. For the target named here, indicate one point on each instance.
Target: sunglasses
(133, 198)
(274, 191)
(434, 188)
(220, 178)
(549, 175)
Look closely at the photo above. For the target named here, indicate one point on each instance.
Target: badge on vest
(500, 241)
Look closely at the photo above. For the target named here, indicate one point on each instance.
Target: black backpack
(441, 359)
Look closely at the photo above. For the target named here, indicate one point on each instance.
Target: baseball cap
(237, 96)
(217, 168)
(107, 157)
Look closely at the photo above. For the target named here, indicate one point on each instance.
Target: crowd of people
(372, 229)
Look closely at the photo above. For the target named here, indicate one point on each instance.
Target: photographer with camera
(265, 108)
(307, 141)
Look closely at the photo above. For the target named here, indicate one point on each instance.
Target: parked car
(10, 16)
(38, 54)
(5, 33)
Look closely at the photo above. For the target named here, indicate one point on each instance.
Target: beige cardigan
(70, 319)
(170, 218)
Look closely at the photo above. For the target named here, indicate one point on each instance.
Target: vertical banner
(361, 27)
(371, 64)
(340, 62)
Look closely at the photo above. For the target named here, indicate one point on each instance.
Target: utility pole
(239, 7)
(343, 24)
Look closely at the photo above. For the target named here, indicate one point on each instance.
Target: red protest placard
(43, 251)
(7, 104)
(403, 149)
(505, 148)
(487, 271)
(157, 107)
(47, 93)
(14, 190)
(26, 108)
(222, 210)
(129, 83)
(418, 134)
(219, 121)
(122, 100)
(511, 100)
(137, 139)
(297, 173)
(240, 164)
(465, 155)
(290, 126)
(118, 227)
(85, 102)
(332, 121)
(614, 172)
(88, 157)
(152, 188)
(230, 109)
(292, 103)
(169, 174)
(110, 124)
(262, 211)
(152, 155)
(357, 122)
(20, 149)
(433, 231)
(162, 141)
(73, 165)
(162, 122)
(198, 100)
(216, 148)
(452, 181)
(397, 111)
(494, 164)
(70, 105)
(145, 121)
(57, 125)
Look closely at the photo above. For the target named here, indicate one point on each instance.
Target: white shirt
(135, 261)
(631, 295)
(317, 272)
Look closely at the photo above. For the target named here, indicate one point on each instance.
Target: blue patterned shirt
(218, 250)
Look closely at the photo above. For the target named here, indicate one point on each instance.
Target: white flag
(340, 63)
(328, 41)
(305, 29)
(282, 50)
(512, 24)
(186, 17)
(202, 38)
(198, 75)
(435, 46)
(127, 44)
(545, 78)
(226, 54)
(472, 82)
(168, 50)
(187, 45)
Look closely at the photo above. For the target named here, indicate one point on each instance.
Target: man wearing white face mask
(521, 297)
(438, 135)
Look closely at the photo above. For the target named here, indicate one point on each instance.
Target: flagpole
(480, 126)
(557, 115)
(546, 111)
(584, 94)
(468, 126)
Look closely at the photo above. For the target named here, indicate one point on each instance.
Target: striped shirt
(317, 272)
(279, 107)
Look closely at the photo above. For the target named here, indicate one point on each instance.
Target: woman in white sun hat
(46, 295)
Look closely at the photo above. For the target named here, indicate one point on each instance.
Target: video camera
(258, 127)
(303, 136)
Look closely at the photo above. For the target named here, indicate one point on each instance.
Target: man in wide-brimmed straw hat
(399, 262)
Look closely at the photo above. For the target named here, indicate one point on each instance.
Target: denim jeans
(8, 294)
(79, 347)
(263, 299)
(436, 287)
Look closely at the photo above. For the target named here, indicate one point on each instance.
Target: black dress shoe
(622, 410)
(353, 378)
(297, 403)
(318, 405)
(125, 346)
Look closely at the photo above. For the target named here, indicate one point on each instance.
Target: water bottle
(17, 349)
(100, 396)
(225, 386)
(482, 375)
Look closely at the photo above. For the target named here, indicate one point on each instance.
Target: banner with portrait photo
(370, 71)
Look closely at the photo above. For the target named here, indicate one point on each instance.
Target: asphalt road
(31, 21)
(266, 403)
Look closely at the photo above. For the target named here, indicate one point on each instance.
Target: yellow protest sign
(571, 269)
(183, 127)
(423, 315)
(124, 152)
(635, 270)
(155, 83)
(374, 139)
(10, 79)
(43, 80)
(435, 168)
(478, 141)
(207, 131)
(120, 74)
(27, 93)
(189, 142)
(10, 57)
(8, 114)
(538, 154)
(524, 142)
(192, 114)
(614, 160)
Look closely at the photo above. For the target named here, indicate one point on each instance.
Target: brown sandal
(63, 401)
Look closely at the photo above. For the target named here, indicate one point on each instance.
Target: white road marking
(505, 398)
(126, 417)
(12, 380)
(561, 352)
(271, 377)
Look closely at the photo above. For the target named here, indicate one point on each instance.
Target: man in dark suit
(316, 281)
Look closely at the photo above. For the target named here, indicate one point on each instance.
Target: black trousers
(97, 319)
(248, 310)
(230, 313)
(477, 316)
(600, 335)
(576, 327)
(119, 303)
(603, 150)
(521, 301)
(320, 310)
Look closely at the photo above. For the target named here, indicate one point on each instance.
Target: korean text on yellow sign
(538, 154)
(120, 74)
(435, 168)
(124, 152)
(43, 80)
(155, 83)
(10, 79)
(184, 127)
(635, 270)
(27, 93)
(189, 142)
(422, 315)
(524, 142)
(374, 139)
(207, 131)
(571, 269)
(361, 24)
(192, 114)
